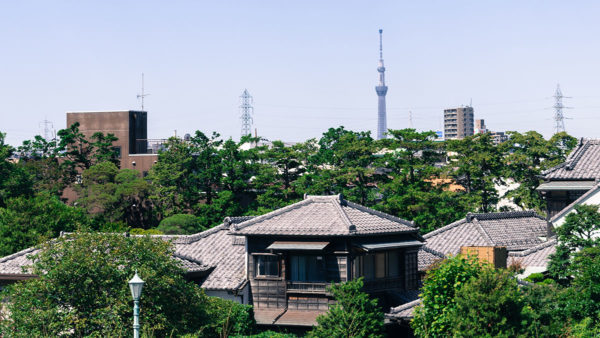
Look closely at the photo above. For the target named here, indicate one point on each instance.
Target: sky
(310, 65)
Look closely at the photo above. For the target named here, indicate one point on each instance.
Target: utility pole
(143, 94)
(410, 123)
(247, 111)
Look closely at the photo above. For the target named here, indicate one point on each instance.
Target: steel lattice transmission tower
(559, 118)
(247, 111)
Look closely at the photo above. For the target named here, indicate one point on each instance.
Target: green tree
(180, 224)
(227, 319)
(14, 181)
(27, 221)
(434, 317)
(576, 233)
(415, 188)
(548, 304)
(476, 164)
(353, 315)
(525, 157)
(81, 152)
(489, 305)
(344, 163)
(82, 289)
(186, 174)
(41, 159)
(114, 195)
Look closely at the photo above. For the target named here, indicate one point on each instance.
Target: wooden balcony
(383, 284)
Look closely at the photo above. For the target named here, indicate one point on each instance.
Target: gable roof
(324, 216)
(582, 164)
(216, 248)
(516, 230)
(17, 263)
(538, 256)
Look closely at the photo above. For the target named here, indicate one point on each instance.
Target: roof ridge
(188, 239)
(381, 214)
(577, 156)
(17, 254)
(533, 249)
(445, 228)
(276, 212)
(337, 205)
(433, 252)
(405, 306)
(503, 214)
(483, 232)
(191, 259)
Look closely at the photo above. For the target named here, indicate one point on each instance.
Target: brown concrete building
(458, 122)
(129, 126)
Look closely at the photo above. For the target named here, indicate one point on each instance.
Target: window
(387, 264)
(266, 265)
(380, 265)
(307, 269)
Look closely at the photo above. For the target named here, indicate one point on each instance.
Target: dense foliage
(433, 318)
(353, 315)
(82, 289)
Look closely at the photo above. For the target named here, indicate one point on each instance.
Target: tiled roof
(324, 216)
(218, 249)
(582, 164)
(517, 231)
(538, 256)
(427, 256)
(14, 264)
(404, 311)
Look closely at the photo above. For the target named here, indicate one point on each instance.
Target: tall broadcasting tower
(381, 90)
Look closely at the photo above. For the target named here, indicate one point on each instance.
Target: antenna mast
(247, 111)
(559, 118)
(143, 94)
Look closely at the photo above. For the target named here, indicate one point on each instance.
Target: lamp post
(135, 285)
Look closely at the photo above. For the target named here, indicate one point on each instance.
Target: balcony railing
(384, 283)
(307, 287)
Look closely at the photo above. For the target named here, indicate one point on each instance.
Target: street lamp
(135, 285)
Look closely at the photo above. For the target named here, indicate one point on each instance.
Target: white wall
(243, 295)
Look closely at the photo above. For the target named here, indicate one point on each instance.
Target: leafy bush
(433, 316)
(535, 277)
(489, 305)
(180, 224)
(228, 318)
(82, 289)
(353, 315)
(140, 231)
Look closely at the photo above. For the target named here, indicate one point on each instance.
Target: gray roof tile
(218, 249)
(517, 231)
(538, 256)
(323, 216)
(582, 164)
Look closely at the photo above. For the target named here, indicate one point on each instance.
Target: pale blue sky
(310, 65)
